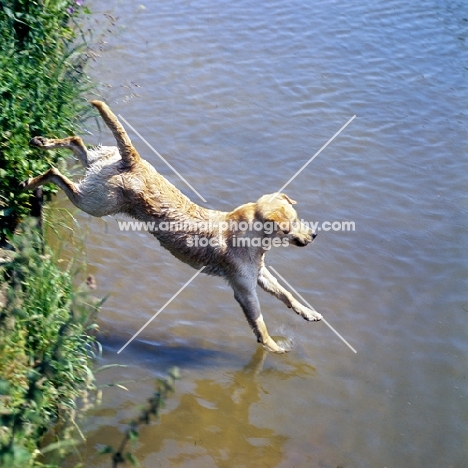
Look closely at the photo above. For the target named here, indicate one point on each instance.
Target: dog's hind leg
(53, 175)
(73, 143)
(270, 284)
(128, 153)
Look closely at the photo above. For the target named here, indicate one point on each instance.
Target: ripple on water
(238, 96)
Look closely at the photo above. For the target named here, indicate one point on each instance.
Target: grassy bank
(41, 93)
(46, 351)
(46, 343)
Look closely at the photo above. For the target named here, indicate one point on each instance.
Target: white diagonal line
(323, 320)
(313, 157)
(161, 309)
(157, 154)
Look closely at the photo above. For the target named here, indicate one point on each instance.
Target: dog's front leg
(246, 296)
(270, 284)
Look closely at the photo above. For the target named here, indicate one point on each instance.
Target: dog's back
(118, 180)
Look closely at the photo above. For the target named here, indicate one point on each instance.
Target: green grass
(46, 340)
(46, 350)
(42, 83)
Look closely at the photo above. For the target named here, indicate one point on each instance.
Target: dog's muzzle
(303, 240)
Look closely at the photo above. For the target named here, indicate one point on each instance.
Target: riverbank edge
(47, 335)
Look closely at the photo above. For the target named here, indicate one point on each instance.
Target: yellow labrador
(228, 244)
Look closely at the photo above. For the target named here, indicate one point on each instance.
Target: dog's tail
(127, 151)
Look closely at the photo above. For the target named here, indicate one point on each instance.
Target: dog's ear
(289, 200)
(279, 217)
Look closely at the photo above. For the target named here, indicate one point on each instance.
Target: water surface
(238, 96)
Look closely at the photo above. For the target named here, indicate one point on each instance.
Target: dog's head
(280, 219)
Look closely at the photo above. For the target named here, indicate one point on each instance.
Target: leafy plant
(154, 405)
(42, 81)
(46, 350)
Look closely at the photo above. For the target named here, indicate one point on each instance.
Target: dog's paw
(311, 315)
(286, 344)
(278, 346)
(38, 142)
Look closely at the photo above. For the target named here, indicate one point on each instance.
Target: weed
(153, 408)
(42, 81)
(46, 350)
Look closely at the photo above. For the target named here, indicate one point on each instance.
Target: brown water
(238, 96)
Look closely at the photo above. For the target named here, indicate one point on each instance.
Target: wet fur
(118, 180)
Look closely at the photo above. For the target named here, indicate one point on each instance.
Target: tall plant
(46, 350)
(42, 81)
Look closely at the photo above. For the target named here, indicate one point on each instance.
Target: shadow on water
(156, 356)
